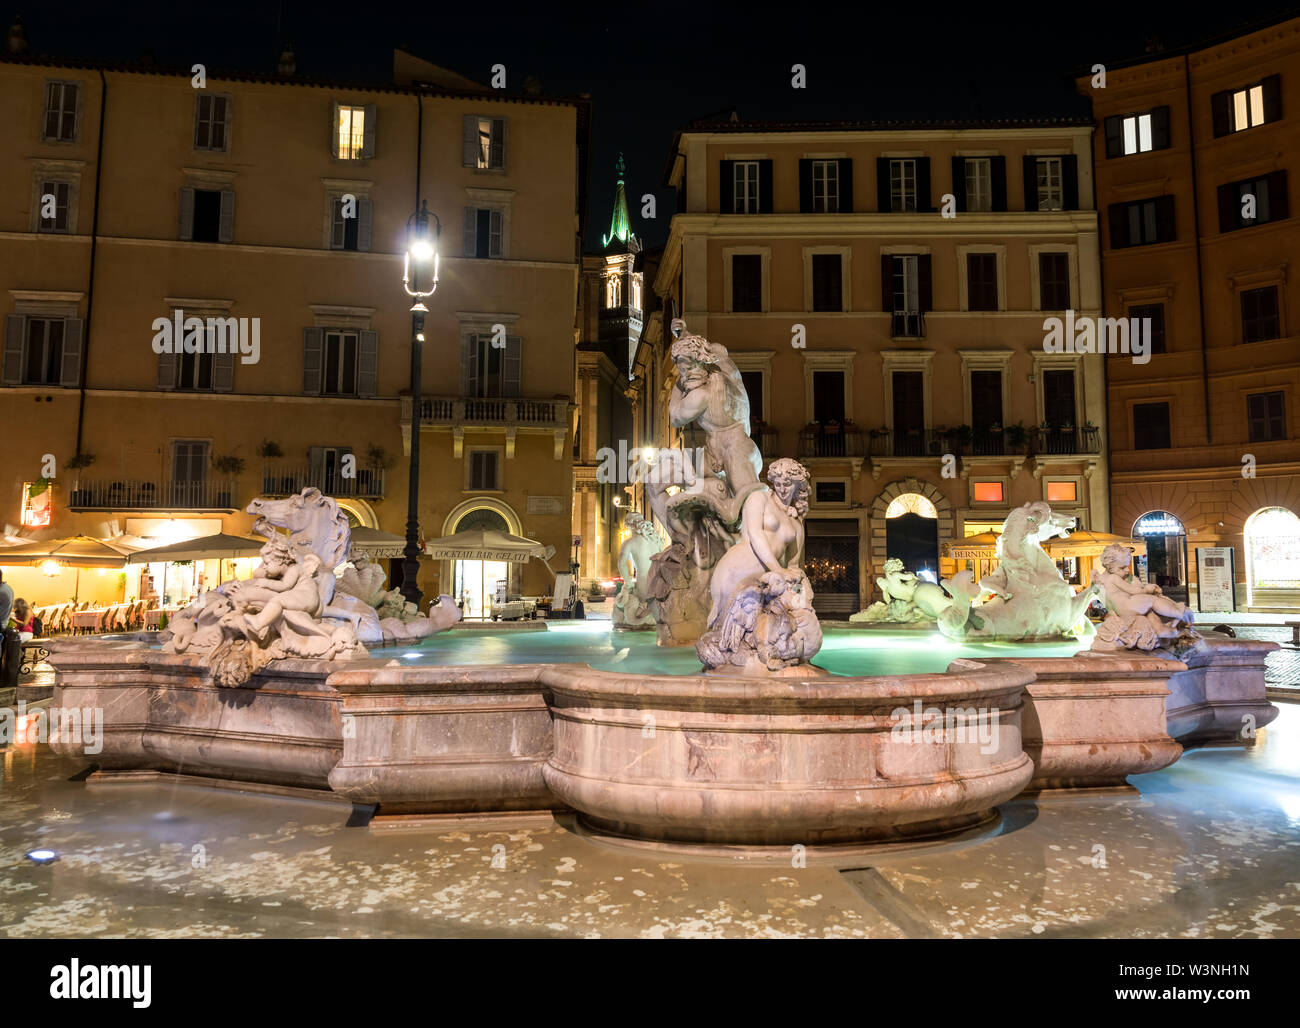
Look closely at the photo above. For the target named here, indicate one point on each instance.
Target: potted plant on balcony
(269, 449)
(963, 434)
(230, 466)
(77, 462)
(1016, 435)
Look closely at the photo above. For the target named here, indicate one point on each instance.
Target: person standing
(11, 649)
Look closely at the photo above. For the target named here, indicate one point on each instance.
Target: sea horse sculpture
(1029, 598)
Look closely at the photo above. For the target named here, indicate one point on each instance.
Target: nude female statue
(771, 534)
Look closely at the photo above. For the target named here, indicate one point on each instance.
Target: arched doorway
(475, 582)
(912, 534)
(1272, 538)
(1165, 563)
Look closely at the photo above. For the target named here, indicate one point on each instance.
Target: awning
(487, 544)
(378, 545)
(205, 547)
(77, 551)
(973, 547)
(1082, 543)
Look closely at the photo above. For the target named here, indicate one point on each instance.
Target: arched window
(1272, 537)
(612, 291)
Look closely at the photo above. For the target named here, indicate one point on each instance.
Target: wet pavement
(1210, 849)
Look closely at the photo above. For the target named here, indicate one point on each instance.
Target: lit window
(1137, 133)
(1062, 492)
(350, 132)
(612, 291)
(988, 492)
(36, 504)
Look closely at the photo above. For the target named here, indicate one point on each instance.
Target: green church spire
(620, 224)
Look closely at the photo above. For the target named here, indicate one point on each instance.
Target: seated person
(22, 620)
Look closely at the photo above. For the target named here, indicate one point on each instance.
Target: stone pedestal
(684, 614)
(444, 740)
(1091, 720)
(1220, 697)
(162, 712)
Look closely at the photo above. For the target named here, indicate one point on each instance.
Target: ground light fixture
(420, 280)
(42, 856)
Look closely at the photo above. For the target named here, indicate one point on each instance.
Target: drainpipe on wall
(1196, 228)
(94, 245)
(1105, 365)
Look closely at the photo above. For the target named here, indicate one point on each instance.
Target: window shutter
(469, 142)
(1160, 128)
(1118, 226)
(313, 343)
(1272, 97)
(959, 182)
(497, 146)
(887, 283)
(1279, 206)
(1113, 132)
(998, 167)
(316, 465)
(363, 222)
(201, 136)
(846, 185)
(1030, 166)
(512, 366)
(923, 197)
(166, 371)
(223, 372)
(367, 363)
(495, 235)
(226, 109)
(76, 120)
(1165, 229)
(1219, 106)
(15, 328)
(924, 283)
(371, 117)
(765, 187)
(334, 130)
(727, 187)
(70, 373)
(338, 225)
(883, 203)
(1229, 208)
(226, 226)
(469, 365)
(471, 231)
(186, 230)
(805, 187)
(1070, 181)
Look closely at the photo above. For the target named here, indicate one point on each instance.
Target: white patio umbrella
(220, 547)
(488, 544)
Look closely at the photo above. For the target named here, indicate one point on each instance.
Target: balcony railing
(832, 441)
(367, 483)
(906, 325)
(134, 494)
(767, 439)
(443, 411)
(934, 442)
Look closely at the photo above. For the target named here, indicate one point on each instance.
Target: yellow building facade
(884, 291)
(134, 193)
(1196, 153)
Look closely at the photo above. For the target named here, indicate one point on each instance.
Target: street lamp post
(421, 264)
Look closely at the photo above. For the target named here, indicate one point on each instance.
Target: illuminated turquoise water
(843, 652)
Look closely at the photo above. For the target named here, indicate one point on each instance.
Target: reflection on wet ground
(1210, 849)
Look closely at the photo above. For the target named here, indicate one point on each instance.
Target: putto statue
(703, 518)
(293, 605)
(633, 608)
(761, 618)
(278, 612)
(1140, 616)
(398, 618)
(1029, 598)
(906, 599)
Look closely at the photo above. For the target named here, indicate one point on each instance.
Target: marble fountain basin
(658, 758)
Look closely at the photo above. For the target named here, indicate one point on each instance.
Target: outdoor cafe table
(87, 618)
(153, 617)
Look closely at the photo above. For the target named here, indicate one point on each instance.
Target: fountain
(717, 735)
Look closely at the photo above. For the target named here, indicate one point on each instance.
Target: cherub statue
(280, 588)
(1140, 615)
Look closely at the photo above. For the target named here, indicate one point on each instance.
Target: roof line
(235, 75)
(1205, 43)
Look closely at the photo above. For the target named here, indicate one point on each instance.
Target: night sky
(652, 69)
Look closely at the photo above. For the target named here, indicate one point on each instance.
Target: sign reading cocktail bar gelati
(1159, 523)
